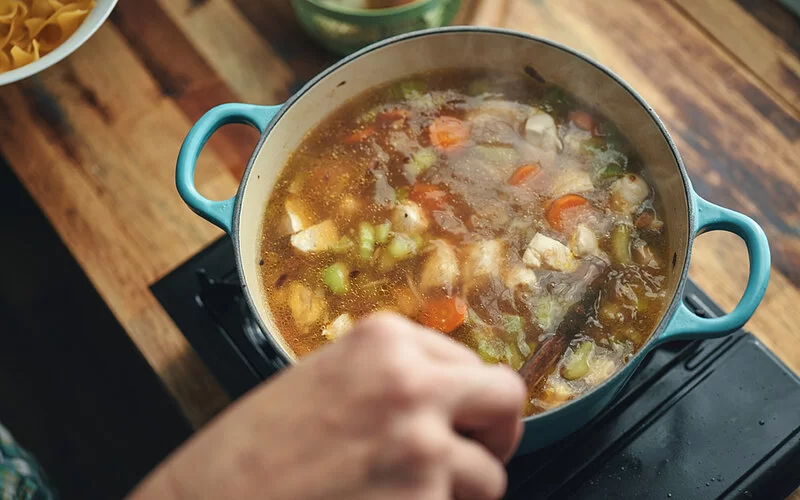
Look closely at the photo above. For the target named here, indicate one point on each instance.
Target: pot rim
(688, 191)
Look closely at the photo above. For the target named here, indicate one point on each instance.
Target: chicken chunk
(574, 180)
(317, 238)
(546, 252)
(644, 255)
(628, 193)
(298, 216)
(520, 276)
(513, 114)
(338, 327)
(601, 367)
(307, 306)
(483, 260)
(540, 131)
(583, 241)
(574, 141)
(490, 129)
(409, 218)
(440, 269)
(407, 302)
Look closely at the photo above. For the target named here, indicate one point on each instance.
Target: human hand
(390, 411)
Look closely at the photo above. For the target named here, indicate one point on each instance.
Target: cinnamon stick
(536, 368)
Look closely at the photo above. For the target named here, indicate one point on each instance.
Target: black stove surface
(700, 419)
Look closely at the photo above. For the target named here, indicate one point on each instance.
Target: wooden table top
(95, 138)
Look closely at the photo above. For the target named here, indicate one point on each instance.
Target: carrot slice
(360, 135)
(428, 196)
(523, 173)
(443, 313)
(448, 133)
(557, 211)
(582, 120)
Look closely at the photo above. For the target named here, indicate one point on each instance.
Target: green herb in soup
(499, 211)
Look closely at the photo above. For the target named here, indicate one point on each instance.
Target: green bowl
(344, 30)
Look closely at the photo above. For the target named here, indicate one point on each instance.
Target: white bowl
(93, 21)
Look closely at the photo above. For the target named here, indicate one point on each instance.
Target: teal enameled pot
(283, 127)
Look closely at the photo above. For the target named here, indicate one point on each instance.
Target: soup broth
(495, 209)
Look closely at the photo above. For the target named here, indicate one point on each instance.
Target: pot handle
(219, 213)
(685, 324)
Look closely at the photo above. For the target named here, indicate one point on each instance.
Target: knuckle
(424, 444)
(399, 383)
(377, 329)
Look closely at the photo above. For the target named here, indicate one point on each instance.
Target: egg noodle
(29, 29)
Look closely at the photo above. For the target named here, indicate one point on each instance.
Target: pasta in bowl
(35, 34)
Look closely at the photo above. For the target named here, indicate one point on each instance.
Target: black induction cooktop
(700, 419)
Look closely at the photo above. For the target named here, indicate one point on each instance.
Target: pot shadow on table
(74, 390)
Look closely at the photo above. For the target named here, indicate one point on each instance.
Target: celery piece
(406, 89)
(492, 348)
(513, 356)
(343, 245)
(512, 324)
(478, 87)
(487, 345)
(487, 349)
(546, 310)
(594, 146)
(610, 172)
(420, 161)
(515, 332)
(382, 232)
(401, 247)
(577, 366)
(366, 245)
(621, 244)
(337, 278)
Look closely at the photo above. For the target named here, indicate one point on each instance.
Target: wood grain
(763, 53)
(95, 138)
(279, 27)
(183, 75)
(109, 193)
(230, 44)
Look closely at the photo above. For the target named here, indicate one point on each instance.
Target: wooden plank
(98, 156)
(230, 44)
(766, 55)
(276, 22)
(494, 13)
(466, 13)
(774, 17)
(183, 75)
(739, 144)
